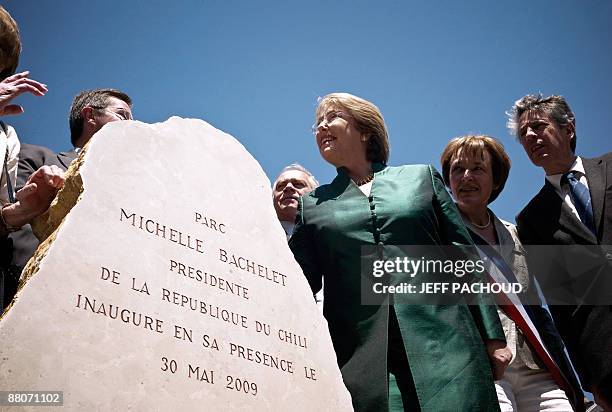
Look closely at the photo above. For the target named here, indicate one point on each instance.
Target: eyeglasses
(121, 114)
(328, 118)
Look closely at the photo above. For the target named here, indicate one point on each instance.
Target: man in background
(572, 217)
(90, 110)
(292, 182)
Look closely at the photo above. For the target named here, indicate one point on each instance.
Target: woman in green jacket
(432, 357)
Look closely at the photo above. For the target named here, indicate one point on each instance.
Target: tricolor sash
(498, 271)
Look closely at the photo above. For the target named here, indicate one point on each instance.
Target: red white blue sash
(498, 271)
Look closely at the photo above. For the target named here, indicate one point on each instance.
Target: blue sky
(254, 69)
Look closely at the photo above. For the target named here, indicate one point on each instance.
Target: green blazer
(408, 205)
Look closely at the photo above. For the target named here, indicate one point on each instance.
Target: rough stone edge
(46, 226)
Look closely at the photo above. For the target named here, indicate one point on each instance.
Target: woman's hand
(499, 356)
(15, 85)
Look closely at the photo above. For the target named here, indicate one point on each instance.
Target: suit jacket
(408, 205)
(31, 158)
(584, 272)
(512, 251)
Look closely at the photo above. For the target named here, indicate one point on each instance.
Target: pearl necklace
(482, 227)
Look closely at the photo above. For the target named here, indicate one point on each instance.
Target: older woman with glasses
(475, 168)
(433, 357)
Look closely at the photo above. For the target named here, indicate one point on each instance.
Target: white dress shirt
(9, 143)
(564, 191)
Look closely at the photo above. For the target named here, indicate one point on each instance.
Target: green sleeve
(303, 246)
(454, 232)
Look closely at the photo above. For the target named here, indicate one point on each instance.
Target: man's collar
(288, 227)
(555, 180)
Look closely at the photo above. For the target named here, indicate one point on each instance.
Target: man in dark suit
(571, 219)
(292, 182)
(90, 110)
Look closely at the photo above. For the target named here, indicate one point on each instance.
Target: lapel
(595, 170)
(3, 145)
(341, 184)
(65, 158)
(4, 141)
(338, 186)
(552, 205)
(505, 241)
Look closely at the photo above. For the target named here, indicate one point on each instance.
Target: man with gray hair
(292, 182)
(572, 217)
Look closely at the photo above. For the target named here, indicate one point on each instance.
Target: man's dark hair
(98, 99)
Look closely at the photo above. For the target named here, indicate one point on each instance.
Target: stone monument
(168, 285)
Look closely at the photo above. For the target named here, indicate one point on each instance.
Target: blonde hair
(10, 44)
(475, 146)
(368, 120)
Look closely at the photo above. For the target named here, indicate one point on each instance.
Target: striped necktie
(581, 198)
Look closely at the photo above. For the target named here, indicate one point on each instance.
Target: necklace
(482, 227)
(365, 180)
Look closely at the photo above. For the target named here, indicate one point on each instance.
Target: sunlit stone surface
(168, 285)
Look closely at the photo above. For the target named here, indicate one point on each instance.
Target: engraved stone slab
(169, 285)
